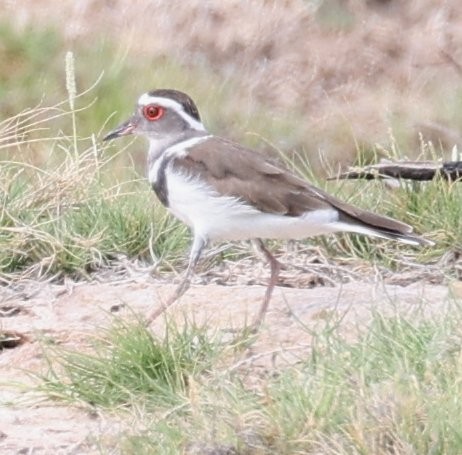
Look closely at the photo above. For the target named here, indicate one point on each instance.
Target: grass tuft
(74, 215)
(389, 387)
(127, 364)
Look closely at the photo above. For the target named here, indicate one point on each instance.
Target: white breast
(220, 217)
(157, 154)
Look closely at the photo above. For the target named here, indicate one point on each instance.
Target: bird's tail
(385, 233)
(355, 219)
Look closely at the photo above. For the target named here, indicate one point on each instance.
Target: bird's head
(159, 115)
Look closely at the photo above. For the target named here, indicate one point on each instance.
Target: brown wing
(243, 173)
(236, 171)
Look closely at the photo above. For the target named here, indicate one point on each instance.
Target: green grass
(70, 220)
(74, 214)
(432, 208)
(128, 366)
(393, 386)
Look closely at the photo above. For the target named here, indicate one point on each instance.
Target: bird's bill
(122, 130)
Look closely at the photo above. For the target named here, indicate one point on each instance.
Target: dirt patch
(68, 314)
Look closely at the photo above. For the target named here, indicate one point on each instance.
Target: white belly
(226, 218)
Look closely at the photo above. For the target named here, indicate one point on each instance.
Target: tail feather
(375, 231)
(355, 219)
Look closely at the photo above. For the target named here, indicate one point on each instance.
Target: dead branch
(412, 170)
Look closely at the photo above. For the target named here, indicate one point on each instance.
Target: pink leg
(198, 246)
(275, 269)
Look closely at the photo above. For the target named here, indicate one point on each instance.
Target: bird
(224, 191)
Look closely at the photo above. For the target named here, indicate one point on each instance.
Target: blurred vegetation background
(326, 78)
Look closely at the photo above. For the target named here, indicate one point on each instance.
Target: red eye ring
(153, 112)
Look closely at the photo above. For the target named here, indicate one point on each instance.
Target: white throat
(158, 152)
(158, 146)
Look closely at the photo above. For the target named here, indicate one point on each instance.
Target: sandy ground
(71, 312)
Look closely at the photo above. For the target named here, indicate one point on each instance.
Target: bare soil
(71, 313)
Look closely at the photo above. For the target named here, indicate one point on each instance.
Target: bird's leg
(275, 269)
(199, 243)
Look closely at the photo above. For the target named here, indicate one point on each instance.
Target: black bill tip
(122, 130)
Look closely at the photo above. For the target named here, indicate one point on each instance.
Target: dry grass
(73, 214)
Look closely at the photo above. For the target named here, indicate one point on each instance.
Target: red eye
(153, 112)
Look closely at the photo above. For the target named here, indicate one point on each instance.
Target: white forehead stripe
(146, 99)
